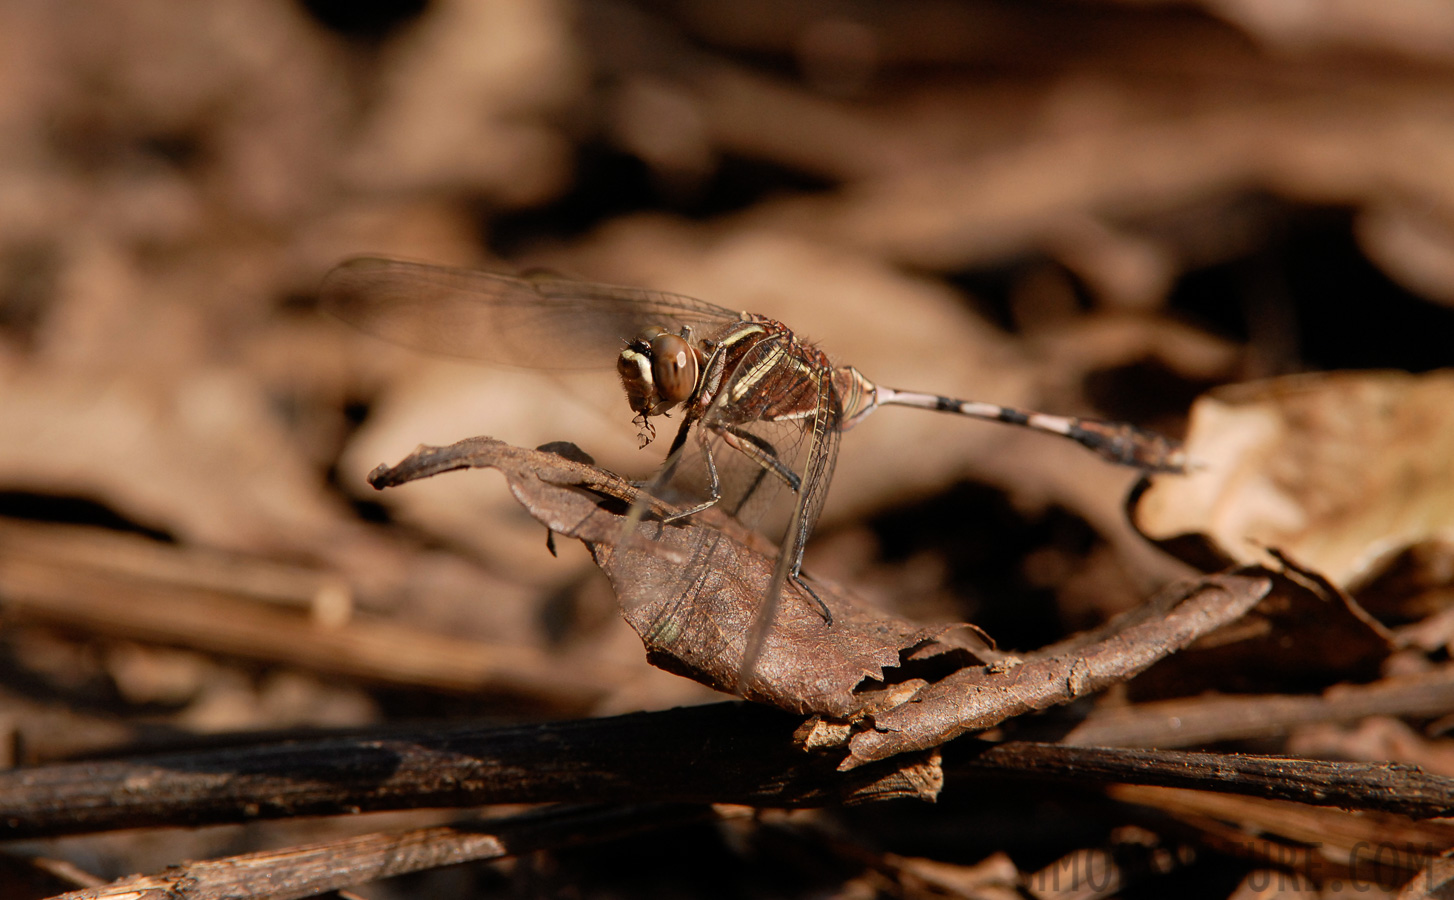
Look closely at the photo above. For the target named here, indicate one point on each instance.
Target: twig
(1390, 787)
(303, 871)
(42, 591)
(1203, 720)
(975, 699)
(724, 753)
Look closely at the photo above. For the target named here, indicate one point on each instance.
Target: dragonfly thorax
(659, 371)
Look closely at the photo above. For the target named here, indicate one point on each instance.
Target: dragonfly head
(658, 371)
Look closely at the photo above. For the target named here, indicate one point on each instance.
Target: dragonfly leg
(760, 452)
(797, 578)
(714, 482)
(749, 445)
(765, 455)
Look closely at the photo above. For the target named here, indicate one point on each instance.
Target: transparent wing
(535, 322)
(821, 434)
(820, 456)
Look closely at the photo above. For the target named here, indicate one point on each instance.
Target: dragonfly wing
(822, 455)
(534, 322)
(822, 435)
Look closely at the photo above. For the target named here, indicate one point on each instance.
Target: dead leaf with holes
(700, 630)
(882, 684)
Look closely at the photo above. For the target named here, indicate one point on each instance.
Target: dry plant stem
(1388, 787)
(976, 699)
(725, 753)
(1321, 844)
(66, 871)
(808, 666)
(304, 871)
(1225, 819)
(127, 555)
(1203, 720)
(382, 652)
(426, 462)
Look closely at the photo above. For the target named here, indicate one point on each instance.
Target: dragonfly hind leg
(823, 610)
(765, 455)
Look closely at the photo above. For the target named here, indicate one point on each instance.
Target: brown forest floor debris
(1224, 222)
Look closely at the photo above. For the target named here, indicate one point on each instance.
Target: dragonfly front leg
(749, 445)
(714, 482)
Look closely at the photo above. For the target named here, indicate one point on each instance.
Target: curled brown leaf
(699, 626)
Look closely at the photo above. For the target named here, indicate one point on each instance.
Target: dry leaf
(1339, 472)
(1306, 634)
(699, 625)
(692, 588)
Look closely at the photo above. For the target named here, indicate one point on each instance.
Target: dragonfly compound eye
(673, 369)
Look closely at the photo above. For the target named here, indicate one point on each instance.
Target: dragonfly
(761, 410)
